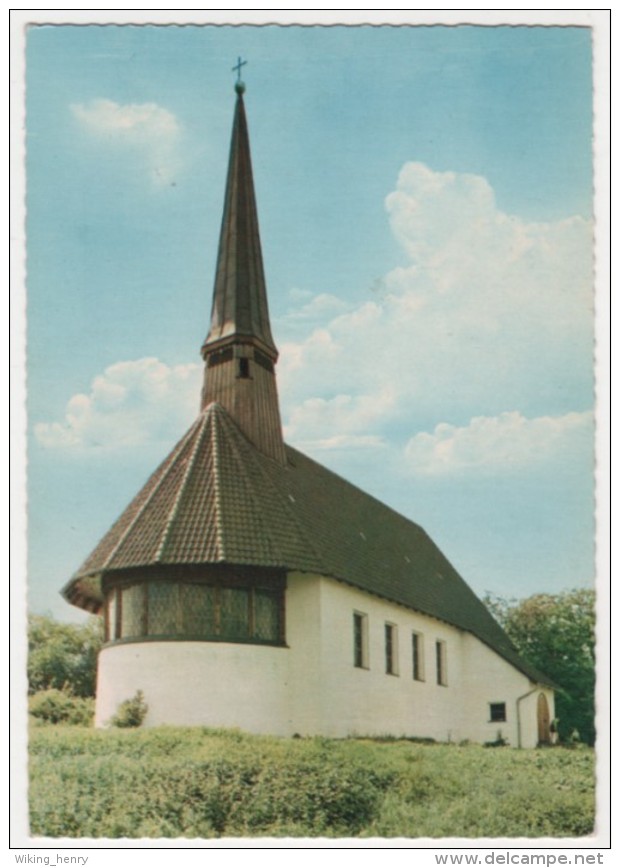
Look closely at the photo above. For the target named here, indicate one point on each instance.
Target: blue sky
(425, 198)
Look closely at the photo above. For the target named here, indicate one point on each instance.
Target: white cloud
(341, 422)
(132, 403)
(488, 312)
(146, 120)
(146, 127)
(342, 442)
(502, 443)
(315, 307)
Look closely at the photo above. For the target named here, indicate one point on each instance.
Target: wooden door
(544, 733)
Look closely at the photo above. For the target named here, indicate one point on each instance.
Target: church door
(544, 734)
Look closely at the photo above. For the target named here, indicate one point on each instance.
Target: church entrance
(544, 732)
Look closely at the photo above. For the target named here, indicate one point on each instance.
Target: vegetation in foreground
(195, 782)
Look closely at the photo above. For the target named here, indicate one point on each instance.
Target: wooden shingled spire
(239, 351)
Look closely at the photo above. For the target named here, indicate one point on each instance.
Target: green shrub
(205, 783)
(60, 706)
(131, 712)
(63, 655)
(499, 741)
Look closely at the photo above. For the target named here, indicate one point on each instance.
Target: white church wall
(198, 683)
(491, 679)
(312, 686)
(369, 701)
(303, 629)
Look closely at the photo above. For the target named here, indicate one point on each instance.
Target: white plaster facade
(311, 686)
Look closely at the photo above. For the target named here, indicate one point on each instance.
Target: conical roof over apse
(216, 499)
(220, 499)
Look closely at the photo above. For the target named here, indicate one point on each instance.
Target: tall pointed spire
(239, 350)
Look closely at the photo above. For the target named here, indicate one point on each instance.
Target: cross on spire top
(239, 86)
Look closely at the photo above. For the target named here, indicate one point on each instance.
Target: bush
(60, 706)
(131, 712)
(194, 782)
(499, 741)
(63, 655)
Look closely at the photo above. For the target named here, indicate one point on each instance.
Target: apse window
(417, 656)
(442, 663)
(497, 712)
(112, 627)
(360, 640)
(391, 649)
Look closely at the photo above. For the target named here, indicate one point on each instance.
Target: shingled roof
(240, 295)
(216, 499)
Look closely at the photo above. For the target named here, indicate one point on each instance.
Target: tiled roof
(217, 499)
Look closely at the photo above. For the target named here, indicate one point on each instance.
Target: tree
(63, 656)
(555, 633)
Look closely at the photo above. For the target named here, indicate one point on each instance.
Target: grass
(195, 782)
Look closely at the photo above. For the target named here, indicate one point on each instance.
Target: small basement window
(497, 712)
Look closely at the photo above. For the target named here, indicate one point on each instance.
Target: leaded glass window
(194, 610)
(132, 611)
(111, 616)
(266, 616)
(234, 613)
(198, 605)
(162, 608)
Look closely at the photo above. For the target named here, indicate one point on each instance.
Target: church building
(247, 586)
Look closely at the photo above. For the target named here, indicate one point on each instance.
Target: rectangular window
(442, 671)
(360, 640)
(110, 619)
(417, 652)
(497, 712)
(391, 649)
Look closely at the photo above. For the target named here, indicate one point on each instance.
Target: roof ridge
(212, 413)
(222, 417)
(175, 506)
(139, 512)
